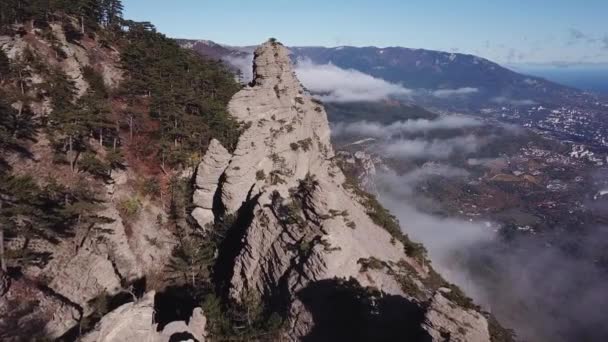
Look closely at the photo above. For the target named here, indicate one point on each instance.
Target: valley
(500, 214)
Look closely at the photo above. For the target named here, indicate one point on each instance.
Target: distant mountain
(435, 70)
(211, 49)
(421, 69)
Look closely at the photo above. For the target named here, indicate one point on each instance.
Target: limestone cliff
(303, 232)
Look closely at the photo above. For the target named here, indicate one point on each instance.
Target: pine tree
(111, 13)
(5, 66)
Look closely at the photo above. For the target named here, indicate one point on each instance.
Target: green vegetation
(187, 95)
(383, 218)
(192, 266)
(129, 207)
(385, 113)
(175, 103)
(371, 263)
(159, 120)
(457, 296)
(149, 187)
(90, 14)
(48, 212)
(275, 177)
(351, 224)
(304, 144)
(260, 175)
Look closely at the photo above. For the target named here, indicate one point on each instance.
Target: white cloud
(377, 130)
(464, 91)
(244, 64)
(432, 149)
(513, 102)
(335, 84)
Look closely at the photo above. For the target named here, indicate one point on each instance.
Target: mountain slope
(304, 234)
(88, 165)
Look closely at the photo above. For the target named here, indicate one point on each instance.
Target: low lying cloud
(530, 283)
(436, 149)
(464, 91)
(442, 236)
(377, 130)
(244, 64)
(513, 102)
(335, 84)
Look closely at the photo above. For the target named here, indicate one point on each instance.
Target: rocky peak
(301, 227)
(272, 66)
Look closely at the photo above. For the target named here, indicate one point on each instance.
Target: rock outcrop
(207, 181)
(297, 222)
(286, 147)
(446, 321)
(135, 322)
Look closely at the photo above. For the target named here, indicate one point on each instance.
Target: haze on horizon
(559, 32)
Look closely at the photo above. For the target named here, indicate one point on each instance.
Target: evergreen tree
(112, 13)
(5, 66)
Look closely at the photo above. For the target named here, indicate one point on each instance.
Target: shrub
(305, 144)
(260, 175)
(371, 263)
(129, 207)
(91, 164)
(275, 178)
(457, 296)
(150, 186)
(383, 218)
(95, 81)
(115, 159)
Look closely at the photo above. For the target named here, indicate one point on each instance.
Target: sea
(586, 77)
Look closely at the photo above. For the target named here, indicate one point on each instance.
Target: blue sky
(506, 31)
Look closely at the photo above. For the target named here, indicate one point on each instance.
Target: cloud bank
(335, 84)
(244, 64)
(433, 149)
(513, 102)
(445, 93)
(377, 130)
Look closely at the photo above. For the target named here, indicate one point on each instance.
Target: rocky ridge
(298, 222)
(97, 262)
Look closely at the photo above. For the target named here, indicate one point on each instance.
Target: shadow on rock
(345, 311)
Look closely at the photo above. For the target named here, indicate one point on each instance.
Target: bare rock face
(96, 262)
(29, 312)
(297, 224)
(300, 230)
(135, 322)
(362, 166)
(207, 179)
(130, 322)
(446, 321)
(283, 157)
